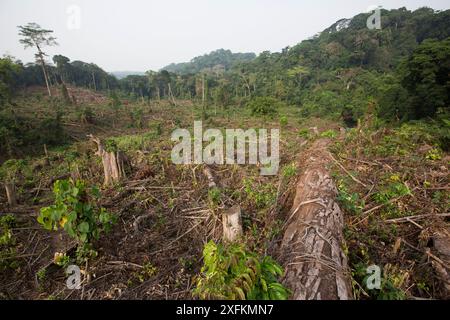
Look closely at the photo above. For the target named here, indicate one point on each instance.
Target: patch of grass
(214, 196)
(329, 134)
(304, 133)
(261, 196)
(289, 171)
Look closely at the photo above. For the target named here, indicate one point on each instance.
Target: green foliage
(41, 274)
(232, 272)
(51, 131)
(86, 115)
(115, 102)
(147, 271)
(221, 57)
(76, 211)
(304, 133)
(137, 117)
(264, 106)
(289, 170)
(111, 145)
(7, 243)
(259, 195)
(434, 154)
(425, 74)
(349, 201)
(18, 132)
(11, 168)
(390, 191)
(329, 134)
(61, 259)
(283, 121)
(8, 72)
(391, 283)
(405, 139)
(214, 196)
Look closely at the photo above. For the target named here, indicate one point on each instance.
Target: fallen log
(311, 250)
(440, 254)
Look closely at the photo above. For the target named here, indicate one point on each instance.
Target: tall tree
(62, 67)
(34, 36)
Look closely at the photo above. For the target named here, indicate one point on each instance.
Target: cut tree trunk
(113, 162)
(440, 258)
(11, 193)
(231, 217)
(232, 224)
(311, 250)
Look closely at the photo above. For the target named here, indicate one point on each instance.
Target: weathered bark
(311, 249)
(441, 258)
(231, 217)
(113, 162)
(11, 193)
(232, 224)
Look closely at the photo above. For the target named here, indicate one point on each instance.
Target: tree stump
(231, 217)
(232, 224)
(11, 193)
(113, 162)
(311, 250)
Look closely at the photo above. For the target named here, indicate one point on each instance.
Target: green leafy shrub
(390, 189)
(76, 211)
(261, 196)
(86, 115)
(137, 117)
(7, 243)
(304, 133)
(283, 121)
(329, 134)
(51, 131)
(10, 169)
(232, 272)
(214, 196)
(434, 154)
(350, 202)
(264, 106)
(115, 102)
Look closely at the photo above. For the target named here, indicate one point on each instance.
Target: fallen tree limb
(418, 217)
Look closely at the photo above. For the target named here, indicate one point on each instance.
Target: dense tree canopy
(341, 70)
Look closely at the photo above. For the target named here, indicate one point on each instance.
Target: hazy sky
(140, 35)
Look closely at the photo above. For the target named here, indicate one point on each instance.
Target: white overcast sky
(139, 35)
